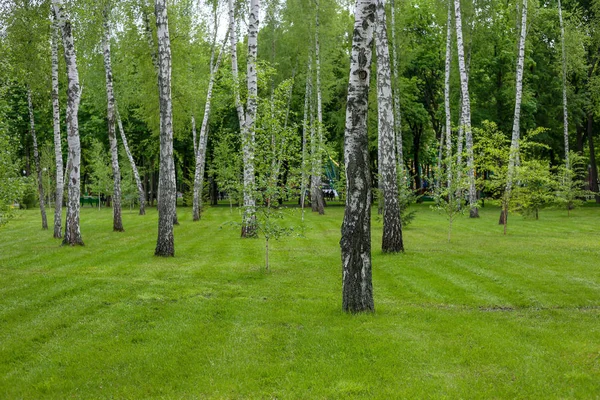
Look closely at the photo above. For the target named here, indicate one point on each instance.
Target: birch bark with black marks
(317, 200)
(357, 286)
(200, 147)
(448, 159)
(136, 175)
(72, 228)
(111, 114)
(564, 86)
(305, 127)
(516, 133)
(165, 245)
(36, 157)
(466, 111)
(392, 226)
(396, 89)
(58, 156)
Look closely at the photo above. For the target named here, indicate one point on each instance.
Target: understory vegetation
(484, 316)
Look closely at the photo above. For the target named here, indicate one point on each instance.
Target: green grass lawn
(485, 316)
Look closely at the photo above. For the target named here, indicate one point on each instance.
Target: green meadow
(484, 316)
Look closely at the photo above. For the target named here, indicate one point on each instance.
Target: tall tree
(513, 157)
(392, 227)
(448, 159)
(564, 85)
(357, 285)
(466, 110)
(111, 113)
(248, 116)
(60, 185)
(165, 245)
(136, 175)
(72, 229)
(317, 201)
(396, 89)
(305, 127)
(36, 156)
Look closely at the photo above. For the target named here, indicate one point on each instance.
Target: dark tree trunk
(357, 286)
(38, 166)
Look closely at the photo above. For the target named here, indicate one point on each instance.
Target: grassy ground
(486, 316)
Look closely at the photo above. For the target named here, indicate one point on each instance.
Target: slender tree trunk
(564, 85)
(200, 147)
(593, 165)
(112, 138)
(448, 160)
(136, 175)
(165, 245)
(72, 231)
(392, 226)
(194, 136)
(317, 201)
(57, 139)
(466, 111)
(396, 90)
(357, 286)
(514, 145)
(305, 127)
(36, 157)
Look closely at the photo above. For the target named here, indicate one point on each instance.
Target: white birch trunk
(357, 286)
(448, 159)
(200, 147)
(305, 127)
(194, 136)
(516, 134)
(466, 111)
(36, 157)
(564, 84)
(72, 229)
(392, 227)
(396, 89)
(136, 175)
(317, 201)
(112, 138)
(57, 139)
(167, 195)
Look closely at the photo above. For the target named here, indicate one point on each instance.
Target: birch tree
(564, 85)
(317, 201)
(200, 147)
(111, 116)
(392, 227)
(57, 138)
(513, 156)
(248, 116)
(36, 156)
(165, 245)
(448, 158)
(72, 229)
(357, 286)
(305, 127)
(466, 111)
(136, 175)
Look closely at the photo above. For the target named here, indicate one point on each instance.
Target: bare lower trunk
(136, 175)
(57, 139)
(357, 286)
(514, 145)
(395, 86)
(72, 230)
(466, 111)
(448, 159)
(318, 203)
(165, 245)
(112, 138)
(392, 227)
(200, 147)
(36, 157)
(593, 165)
